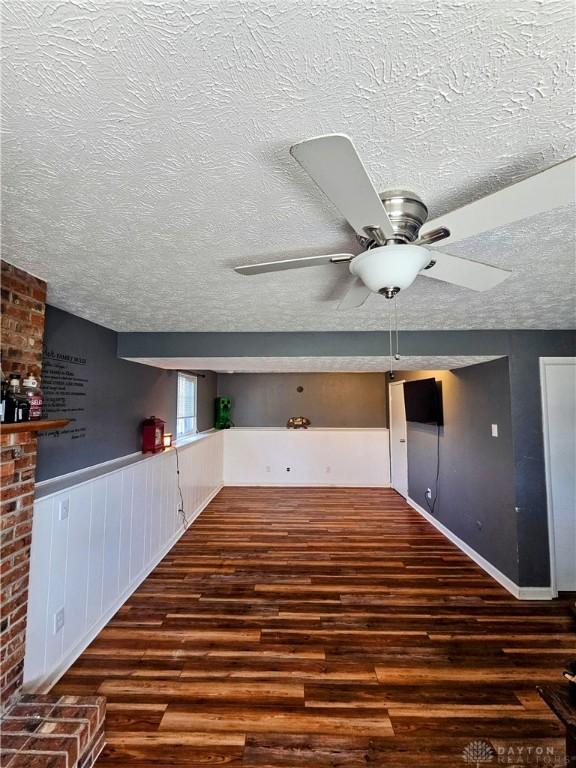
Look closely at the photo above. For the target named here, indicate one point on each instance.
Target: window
(186, 407)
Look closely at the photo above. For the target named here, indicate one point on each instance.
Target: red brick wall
(23, 304)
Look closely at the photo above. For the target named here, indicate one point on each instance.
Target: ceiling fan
(392, 227)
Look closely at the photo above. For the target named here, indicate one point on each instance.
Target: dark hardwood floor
(324, 627)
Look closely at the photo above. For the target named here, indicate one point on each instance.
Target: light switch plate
(494, 430)
(58, 620)
(64, 509)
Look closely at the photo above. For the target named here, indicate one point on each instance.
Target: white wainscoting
(337, 457)
(118, 527)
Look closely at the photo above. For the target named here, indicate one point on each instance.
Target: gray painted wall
(114, 397)
(528, 443)
(476, 498)
(337, 343)
(328, 399)
(206, 394)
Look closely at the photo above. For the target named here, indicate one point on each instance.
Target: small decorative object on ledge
(223, 413)
(167, 439)
(298, 422)
(152, 435)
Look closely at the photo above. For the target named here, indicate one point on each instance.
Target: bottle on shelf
(4, 395)
(34, 396)
(12, 410)
(24, 407)
(17, 406)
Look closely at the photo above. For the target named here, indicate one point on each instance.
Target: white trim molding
(522, 593)
(391, 384)
(544, 362)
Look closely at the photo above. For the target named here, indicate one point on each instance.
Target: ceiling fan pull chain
(397, 355)
(390, 339)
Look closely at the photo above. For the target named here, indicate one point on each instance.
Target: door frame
(544, 362)
(390, 385)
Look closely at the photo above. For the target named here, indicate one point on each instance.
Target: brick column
(23, 306)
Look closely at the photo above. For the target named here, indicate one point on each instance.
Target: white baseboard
(44, 685)
(231, 484)
(521, 593)
(535, 593)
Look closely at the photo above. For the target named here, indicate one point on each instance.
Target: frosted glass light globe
(390, 266)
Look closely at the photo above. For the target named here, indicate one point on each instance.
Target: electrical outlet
(58, 620)
(268, 468)
(428, 493)
(479, 524)
(64, 508)
(287, 469)
(494, 430)
(328, 470)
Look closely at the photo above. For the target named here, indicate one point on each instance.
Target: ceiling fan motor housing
(390, 268)
(407, 213)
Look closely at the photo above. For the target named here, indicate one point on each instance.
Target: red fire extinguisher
(152, 435)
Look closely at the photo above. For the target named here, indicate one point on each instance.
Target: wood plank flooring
(322, 627)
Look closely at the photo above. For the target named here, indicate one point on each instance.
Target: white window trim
(194, 431)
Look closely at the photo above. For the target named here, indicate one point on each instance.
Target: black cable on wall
(432, 508)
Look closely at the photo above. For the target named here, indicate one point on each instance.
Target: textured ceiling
(145, 152)
(306, 364)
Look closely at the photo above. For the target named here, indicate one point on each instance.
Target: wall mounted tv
(423, 401)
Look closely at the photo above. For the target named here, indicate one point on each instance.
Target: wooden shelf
(34, 426)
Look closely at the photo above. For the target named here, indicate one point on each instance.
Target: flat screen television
(423, 401)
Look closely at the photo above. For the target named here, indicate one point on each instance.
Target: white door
(398, 436)
(558, 379)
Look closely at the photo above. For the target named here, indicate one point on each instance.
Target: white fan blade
(542, 192)
(464, 272)
(355, 296)
(308, 261)
(335, 166)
